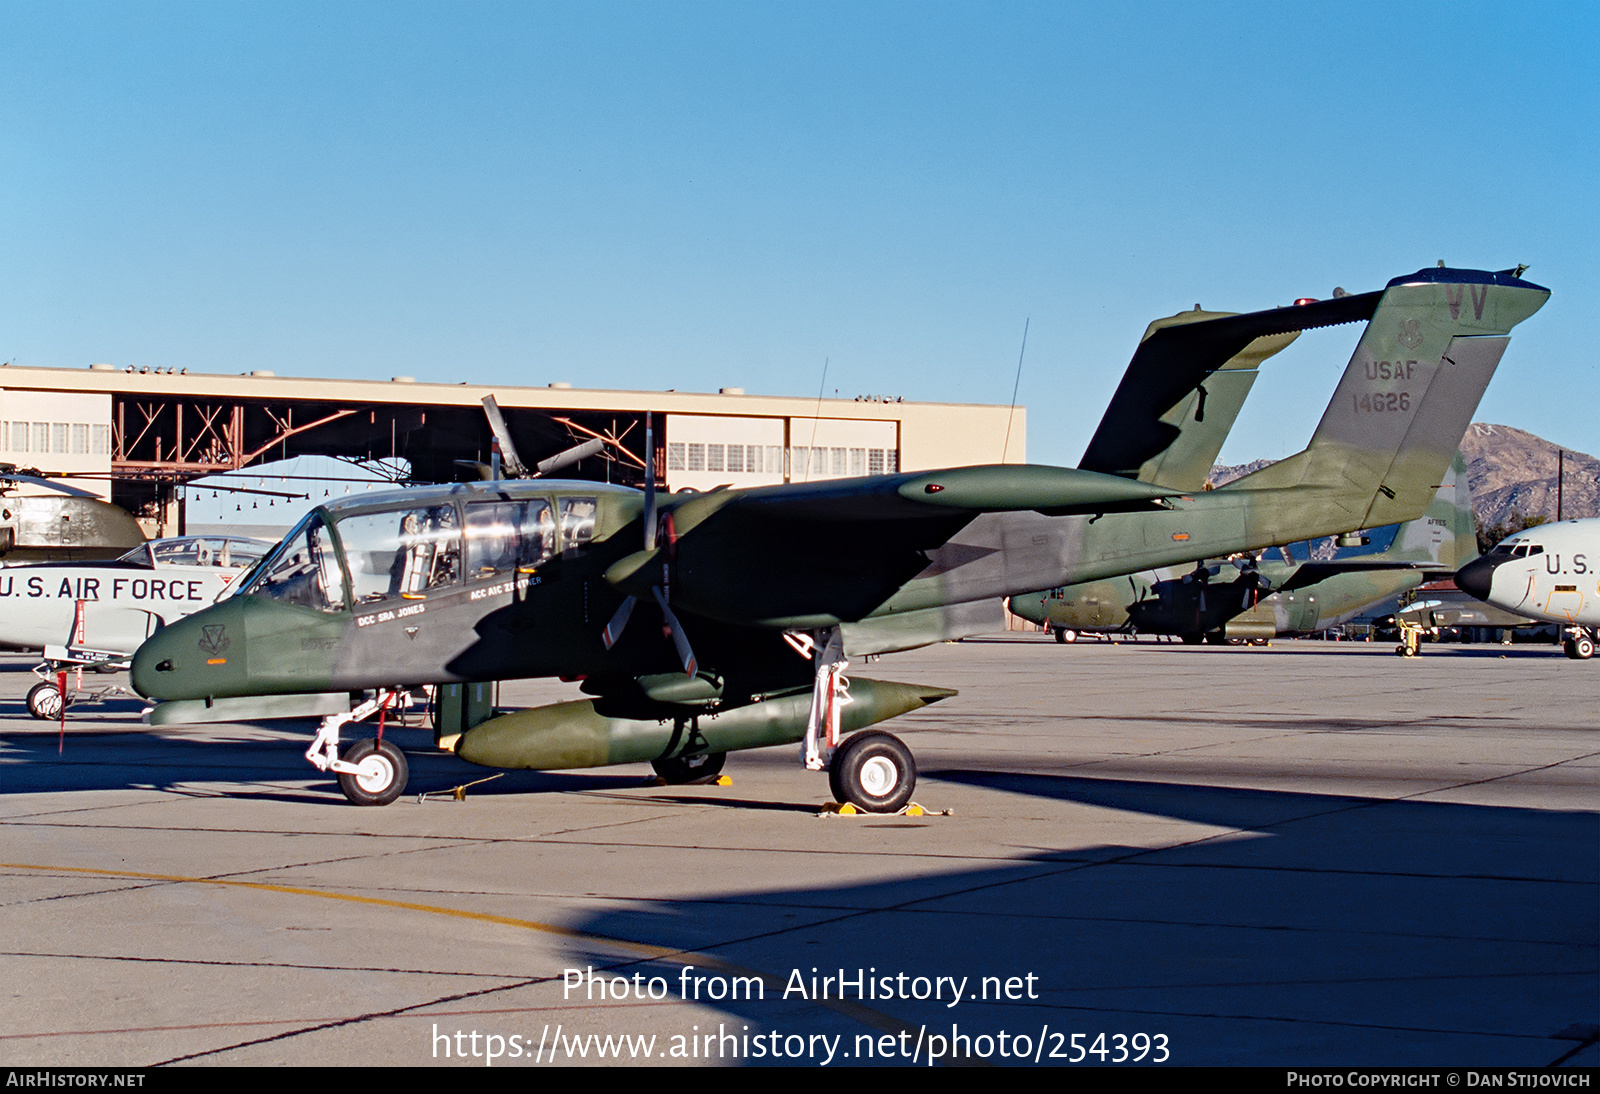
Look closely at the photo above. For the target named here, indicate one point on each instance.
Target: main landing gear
(872, 770)
(679, 770)
(1578, 645)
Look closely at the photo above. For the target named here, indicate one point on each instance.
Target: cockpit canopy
(1516, 548)
(223, 552)
(417, 547)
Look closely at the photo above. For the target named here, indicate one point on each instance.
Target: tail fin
(1204, 417)
(1445, 537)
(1408, 395)
(1183, 389)
(1454, 499)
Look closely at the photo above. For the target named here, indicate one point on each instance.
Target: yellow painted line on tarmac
(867, 1016)
(353, 898)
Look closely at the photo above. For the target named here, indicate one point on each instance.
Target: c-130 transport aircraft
(707, 623)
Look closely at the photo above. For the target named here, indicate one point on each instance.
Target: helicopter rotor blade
(514, 467)
(566, 458)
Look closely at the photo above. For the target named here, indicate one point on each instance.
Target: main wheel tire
(679, 770)
(44, 701)
(874, 772)
(1581, 648)
(383, 773)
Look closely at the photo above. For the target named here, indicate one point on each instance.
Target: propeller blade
(649, 482)
(613, 631)
(679, 639)
(568, 457)
(514, 468)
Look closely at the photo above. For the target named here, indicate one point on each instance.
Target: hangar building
(134, 436)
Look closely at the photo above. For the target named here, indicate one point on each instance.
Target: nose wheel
(1579, 647)
(874, 772)
(379, 775)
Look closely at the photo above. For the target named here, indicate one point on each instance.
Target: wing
(1309, 573)
(812, 554)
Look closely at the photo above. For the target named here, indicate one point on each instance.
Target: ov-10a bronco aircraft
(739, 589)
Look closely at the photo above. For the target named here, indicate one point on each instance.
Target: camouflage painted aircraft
(1254, 599)
(740, 589)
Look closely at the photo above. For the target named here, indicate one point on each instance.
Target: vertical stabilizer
(1408, 394)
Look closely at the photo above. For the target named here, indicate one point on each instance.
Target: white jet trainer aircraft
(92, 614)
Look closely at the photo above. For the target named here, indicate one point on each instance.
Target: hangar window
(677, 458)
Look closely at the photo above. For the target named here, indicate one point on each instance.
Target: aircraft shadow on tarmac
(245, 764)
(1321, 929)
(1295, 928)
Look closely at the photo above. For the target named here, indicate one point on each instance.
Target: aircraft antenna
(649, 482)
(815, 418)
(1012, 413)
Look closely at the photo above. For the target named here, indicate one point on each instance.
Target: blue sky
(692, 195)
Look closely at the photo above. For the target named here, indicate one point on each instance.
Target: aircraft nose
(1477, 576)
(159, 662)
(191, 658)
